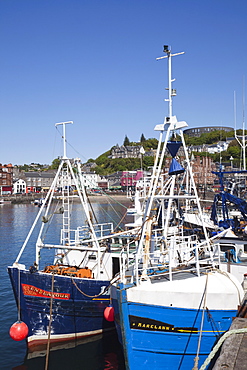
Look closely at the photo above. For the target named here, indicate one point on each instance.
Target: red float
(109, 313)
(18, 331)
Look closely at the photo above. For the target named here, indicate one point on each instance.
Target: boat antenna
(171, 92)
(64, 136)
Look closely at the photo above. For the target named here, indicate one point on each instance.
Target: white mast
(64, 136)
(160, 152)
(171, 92)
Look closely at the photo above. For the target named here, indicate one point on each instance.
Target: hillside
(106, 165)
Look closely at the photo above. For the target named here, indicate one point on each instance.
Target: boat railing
(83, 233)
(186, 254)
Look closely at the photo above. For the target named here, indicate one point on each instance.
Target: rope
(218, 345)
(212, 322)
(196, 359)
(120, 221)
(197, 313)
(90, 296)
(226, 274)
(19, 295)
(49, 329)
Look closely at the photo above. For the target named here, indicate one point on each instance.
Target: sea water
(102, 353)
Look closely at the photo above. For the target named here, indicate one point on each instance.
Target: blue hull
(156, 337)
(74, 314)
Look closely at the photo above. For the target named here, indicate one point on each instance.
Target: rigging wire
(80, 154)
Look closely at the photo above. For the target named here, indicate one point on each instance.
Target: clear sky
(93, 62)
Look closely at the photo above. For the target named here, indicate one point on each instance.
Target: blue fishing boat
(228, 209)
(171, 300)
(64, 300)
(229, 212)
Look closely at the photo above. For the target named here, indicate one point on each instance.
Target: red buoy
(18, 331)
(109, 313)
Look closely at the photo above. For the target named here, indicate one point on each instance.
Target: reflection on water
(103, 353)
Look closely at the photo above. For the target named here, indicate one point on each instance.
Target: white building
(90, 180)
(218, 148)
(19, 186)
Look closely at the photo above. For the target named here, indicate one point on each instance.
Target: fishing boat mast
(171, 92)
(65, 184)
(64, 136)
(170, 123)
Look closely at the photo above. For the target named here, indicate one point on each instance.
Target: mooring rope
(196, 359)
(219, 343)
(92, 296)
(19, 295)
(188, 340)
(50, 321)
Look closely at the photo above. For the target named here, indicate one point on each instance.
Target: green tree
(142, 139)
(126, 141)
(150, 144)
(55, 164)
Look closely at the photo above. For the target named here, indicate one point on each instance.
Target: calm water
(104, 353)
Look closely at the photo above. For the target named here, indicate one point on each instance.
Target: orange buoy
(109, 313)
(18, 331)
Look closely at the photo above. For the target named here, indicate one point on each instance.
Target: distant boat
(172, 301)
(38, 202)
(4, 201)
(66, 300)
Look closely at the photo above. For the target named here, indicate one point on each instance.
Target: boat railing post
(197, 260)
(169, 261)
(218, 252)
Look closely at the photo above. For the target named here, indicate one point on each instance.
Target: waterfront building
(130, 178)
(90, 180)
(6, 179)
(38, 181)
(19, 186)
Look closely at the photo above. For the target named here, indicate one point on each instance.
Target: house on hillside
(126, 151)
(218, 148)
(198, 148)
(88, 167)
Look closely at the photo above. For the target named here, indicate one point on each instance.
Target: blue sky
(93, 62)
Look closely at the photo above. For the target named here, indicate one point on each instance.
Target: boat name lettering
(154, 325)
(37, 292)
